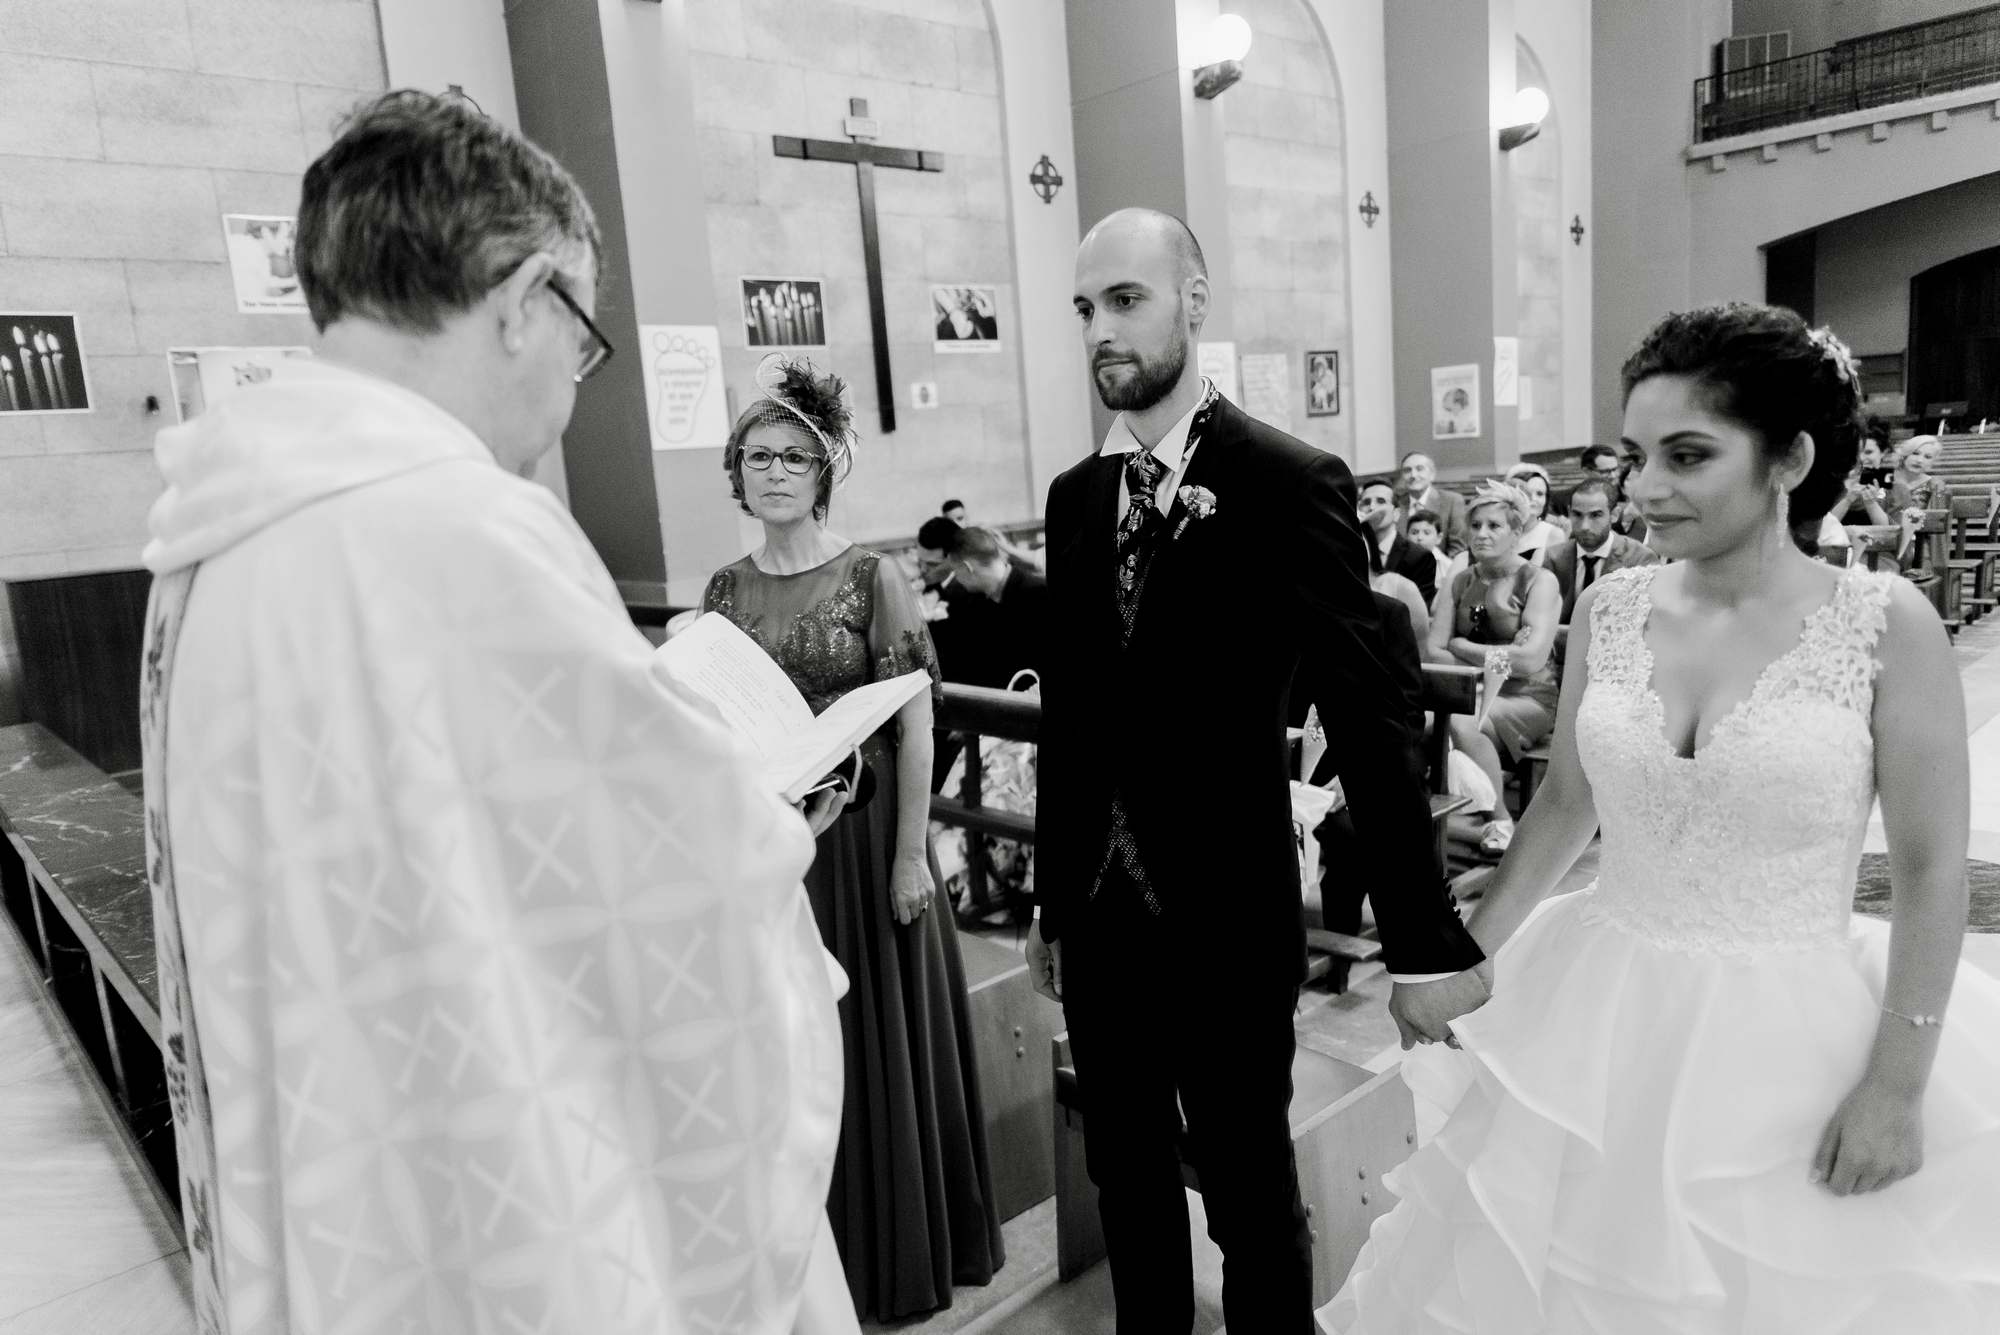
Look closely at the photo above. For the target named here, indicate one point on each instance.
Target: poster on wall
(1322, 384)
(967, 318)
(684, 396)
(260, 262)
(1454, 402)
(784, 313)
(1217, 361)
(1267, 390)
(202, 377)
(1506, 371)
(41, 364)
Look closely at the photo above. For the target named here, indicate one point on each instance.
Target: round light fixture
(1529, 107)
(1227, 38)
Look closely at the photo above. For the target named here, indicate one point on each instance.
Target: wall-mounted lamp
(1223, 45)
(1525, 115)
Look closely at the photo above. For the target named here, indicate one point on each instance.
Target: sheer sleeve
(898, 640)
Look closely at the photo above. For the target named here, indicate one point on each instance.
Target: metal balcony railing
(1898, 65)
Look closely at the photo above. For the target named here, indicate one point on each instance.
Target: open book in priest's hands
(724, 666)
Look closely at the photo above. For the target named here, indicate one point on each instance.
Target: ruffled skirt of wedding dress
(1628, 1145)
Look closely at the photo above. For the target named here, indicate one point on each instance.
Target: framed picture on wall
(41, 365)
(784, 313)
(1322, 384)
(261, 264)
(1454, 402)
(966, 318)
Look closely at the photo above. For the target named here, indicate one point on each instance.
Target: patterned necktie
(1142, 479)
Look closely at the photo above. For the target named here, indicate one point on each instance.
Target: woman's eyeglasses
(796, 461)
(596, 347)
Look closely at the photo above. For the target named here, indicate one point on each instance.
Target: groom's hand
(1045, 964)
(1424, 1011)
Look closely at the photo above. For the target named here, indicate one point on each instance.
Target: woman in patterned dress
(912, 1201)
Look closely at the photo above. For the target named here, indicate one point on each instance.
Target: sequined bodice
(833, 628)
(1750, 846)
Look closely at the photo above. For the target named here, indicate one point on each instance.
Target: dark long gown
(912, 1202)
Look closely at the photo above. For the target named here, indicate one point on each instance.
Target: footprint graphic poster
(684, 398)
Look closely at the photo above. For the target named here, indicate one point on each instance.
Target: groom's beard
(1145, 381)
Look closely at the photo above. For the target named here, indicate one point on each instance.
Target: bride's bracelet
(1918, 1020)
(1499, 660)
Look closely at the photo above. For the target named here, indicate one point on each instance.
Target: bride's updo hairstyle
(807, 403)
(1766, 370)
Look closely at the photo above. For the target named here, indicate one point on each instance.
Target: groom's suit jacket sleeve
(1368, 739)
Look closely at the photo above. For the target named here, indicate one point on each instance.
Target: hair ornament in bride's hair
(1831, 349)
(816, 399)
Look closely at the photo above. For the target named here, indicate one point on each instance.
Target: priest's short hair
(422, 205)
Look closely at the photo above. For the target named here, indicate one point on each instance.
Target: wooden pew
(1012, 1026)
(1349, 1127)
(73, 878)
(1972, 559)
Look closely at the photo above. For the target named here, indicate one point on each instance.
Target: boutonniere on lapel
(1200, 503)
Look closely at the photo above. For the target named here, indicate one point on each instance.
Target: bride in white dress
(1703, 1097)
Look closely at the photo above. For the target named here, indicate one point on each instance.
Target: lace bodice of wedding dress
(1749, 847)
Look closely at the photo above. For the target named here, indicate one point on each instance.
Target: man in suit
(1593, 549)
(1421, 492)
(1388, 549)
(1167, 885)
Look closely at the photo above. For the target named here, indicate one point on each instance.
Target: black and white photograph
(261, 264)
(966, 318)
(1323, 384)
(783, 313)
(1307, 734)
(41, 364)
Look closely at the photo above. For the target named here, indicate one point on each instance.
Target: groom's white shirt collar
(1173, 450)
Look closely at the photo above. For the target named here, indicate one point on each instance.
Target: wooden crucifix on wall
(866, 155)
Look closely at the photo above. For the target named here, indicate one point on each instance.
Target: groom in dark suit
(1196, 564)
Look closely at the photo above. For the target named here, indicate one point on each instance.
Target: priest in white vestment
(491, 997)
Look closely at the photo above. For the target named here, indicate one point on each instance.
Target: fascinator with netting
(793, 394)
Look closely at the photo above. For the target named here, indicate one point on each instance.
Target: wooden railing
(975, 713)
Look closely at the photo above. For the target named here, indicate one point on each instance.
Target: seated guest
(1602, 463)
(483, 961)
(1419, 491)
(1862, 503)
(1500, 613)
(1020, 599)
(1912, 486)
(1388, 549)
(1593, 550)
(912, 1199)
(1871, 460)
(1545, 530)
(961, 619)
(1426, 530)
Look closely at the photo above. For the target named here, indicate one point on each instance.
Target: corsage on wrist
(1499, 660)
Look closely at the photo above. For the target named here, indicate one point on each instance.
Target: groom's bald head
(1149, 231)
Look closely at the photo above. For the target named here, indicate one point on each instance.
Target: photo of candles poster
(783, 313)
(41, 365)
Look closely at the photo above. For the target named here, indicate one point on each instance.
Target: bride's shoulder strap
(1863, 614)
(1617, 625)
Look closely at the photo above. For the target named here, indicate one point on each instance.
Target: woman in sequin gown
(912, 1202)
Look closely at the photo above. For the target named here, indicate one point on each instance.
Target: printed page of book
(821, 745)
(725, 666)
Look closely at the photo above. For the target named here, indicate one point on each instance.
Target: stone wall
(1535, 169)
(1288, 207)
(929, 72)
(132, 126)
